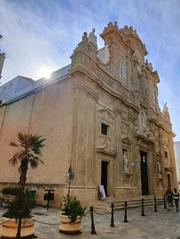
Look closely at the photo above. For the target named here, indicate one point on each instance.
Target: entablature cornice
(103, 151)
(86, 90)
(109, 84)
(167, 130)
(142, 139)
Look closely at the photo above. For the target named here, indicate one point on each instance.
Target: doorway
(104, 176)
(144, 173)
(169, 181)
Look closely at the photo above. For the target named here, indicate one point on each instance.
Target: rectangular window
(166, 155)
(104, 129)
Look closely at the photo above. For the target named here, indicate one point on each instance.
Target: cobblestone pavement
(163, 224)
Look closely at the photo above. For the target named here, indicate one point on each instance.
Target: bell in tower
(2, 57)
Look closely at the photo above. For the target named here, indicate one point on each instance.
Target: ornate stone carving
(143, 127)
(105, 145)
(125, 161)
(159, 171)
(124, 129)
(105, 114)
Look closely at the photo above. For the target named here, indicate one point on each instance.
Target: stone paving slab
(163, 224)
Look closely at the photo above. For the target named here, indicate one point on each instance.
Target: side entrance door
(104, 176)
(144, 173)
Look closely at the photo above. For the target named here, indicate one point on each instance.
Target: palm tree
(30, 151)
(29, 154)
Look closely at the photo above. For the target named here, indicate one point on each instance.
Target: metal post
(48, 200)
(164, 202)
(142, 208)
(125, 211)
(172, 203)
(93, 230)
(155, 205)
(112, 215)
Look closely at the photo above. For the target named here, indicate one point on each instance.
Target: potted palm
(17, 221)
(72, 211)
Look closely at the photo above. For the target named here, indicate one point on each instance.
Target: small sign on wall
(102, 193)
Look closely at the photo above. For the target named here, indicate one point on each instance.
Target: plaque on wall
(102, 193)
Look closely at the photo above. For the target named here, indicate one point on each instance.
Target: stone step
(119, 204)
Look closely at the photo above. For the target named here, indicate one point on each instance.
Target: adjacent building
(99, 115)
(177, 158)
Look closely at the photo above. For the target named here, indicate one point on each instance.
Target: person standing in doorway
(176, 199)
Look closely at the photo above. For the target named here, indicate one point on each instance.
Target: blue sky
(41, 34)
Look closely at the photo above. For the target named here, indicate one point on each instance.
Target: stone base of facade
(159, 192)
(86, 194)
(125, 193)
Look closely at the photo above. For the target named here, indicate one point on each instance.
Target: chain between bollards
(164, 202)
(93, 230)
(112, 215)
(155, 204)
(125, 211)
(142, 207)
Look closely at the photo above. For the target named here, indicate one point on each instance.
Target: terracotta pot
(68, 227)
(9, 227)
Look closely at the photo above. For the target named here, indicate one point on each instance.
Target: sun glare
(45, 72)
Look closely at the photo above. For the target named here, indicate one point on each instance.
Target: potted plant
(70, 219)
(72, 211)
(17, 221)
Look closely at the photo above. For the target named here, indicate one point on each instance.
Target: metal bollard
(155, 205)
(112, 215)
(164, 202)
(125, 211)
(93, 230)
(142, 208)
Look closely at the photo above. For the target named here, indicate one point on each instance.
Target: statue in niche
(125, 161)
(159, 168)
(142, 122)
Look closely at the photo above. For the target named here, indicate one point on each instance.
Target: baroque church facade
(99, 115)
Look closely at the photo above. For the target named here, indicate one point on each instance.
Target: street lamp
(70, 175)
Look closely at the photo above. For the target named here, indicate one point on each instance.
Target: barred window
(104, 129)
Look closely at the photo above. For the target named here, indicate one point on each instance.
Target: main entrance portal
(104, 175)
(144, 173)
(169, 181)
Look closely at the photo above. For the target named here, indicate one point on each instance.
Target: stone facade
(102, 118)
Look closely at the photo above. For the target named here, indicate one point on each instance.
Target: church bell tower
(2, 57)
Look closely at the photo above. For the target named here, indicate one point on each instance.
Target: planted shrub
(72, 208)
